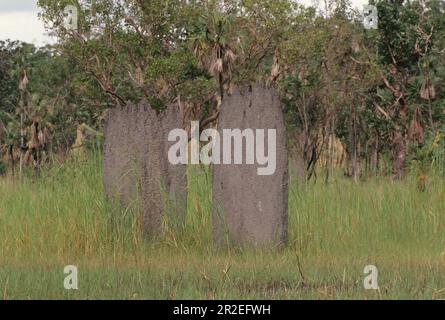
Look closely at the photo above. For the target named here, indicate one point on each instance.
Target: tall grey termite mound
(249, 208)
(136, 166)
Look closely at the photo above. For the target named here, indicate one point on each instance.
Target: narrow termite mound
(249, 208)
(136, 167)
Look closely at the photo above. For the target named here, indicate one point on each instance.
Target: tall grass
(335, 230)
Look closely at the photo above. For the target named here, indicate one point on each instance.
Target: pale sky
(19, 21)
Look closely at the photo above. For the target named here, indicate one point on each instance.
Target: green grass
(335, 230)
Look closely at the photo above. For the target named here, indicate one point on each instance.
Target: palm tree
(212, 46)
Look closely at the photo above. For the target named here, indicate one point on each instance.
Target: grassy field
(335, 230)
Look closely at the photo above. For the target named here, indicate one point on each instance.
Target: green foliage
(430, 157)
(334, 77)
(60, 95)
(8, 78)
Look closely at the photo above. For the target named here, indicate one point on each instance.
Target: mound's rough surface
(249, 208)
(136, 166)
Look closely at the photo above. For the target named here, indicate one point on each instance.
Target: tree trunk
(399, 154)
(11, 155)
(375, 164)
(353, 139)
